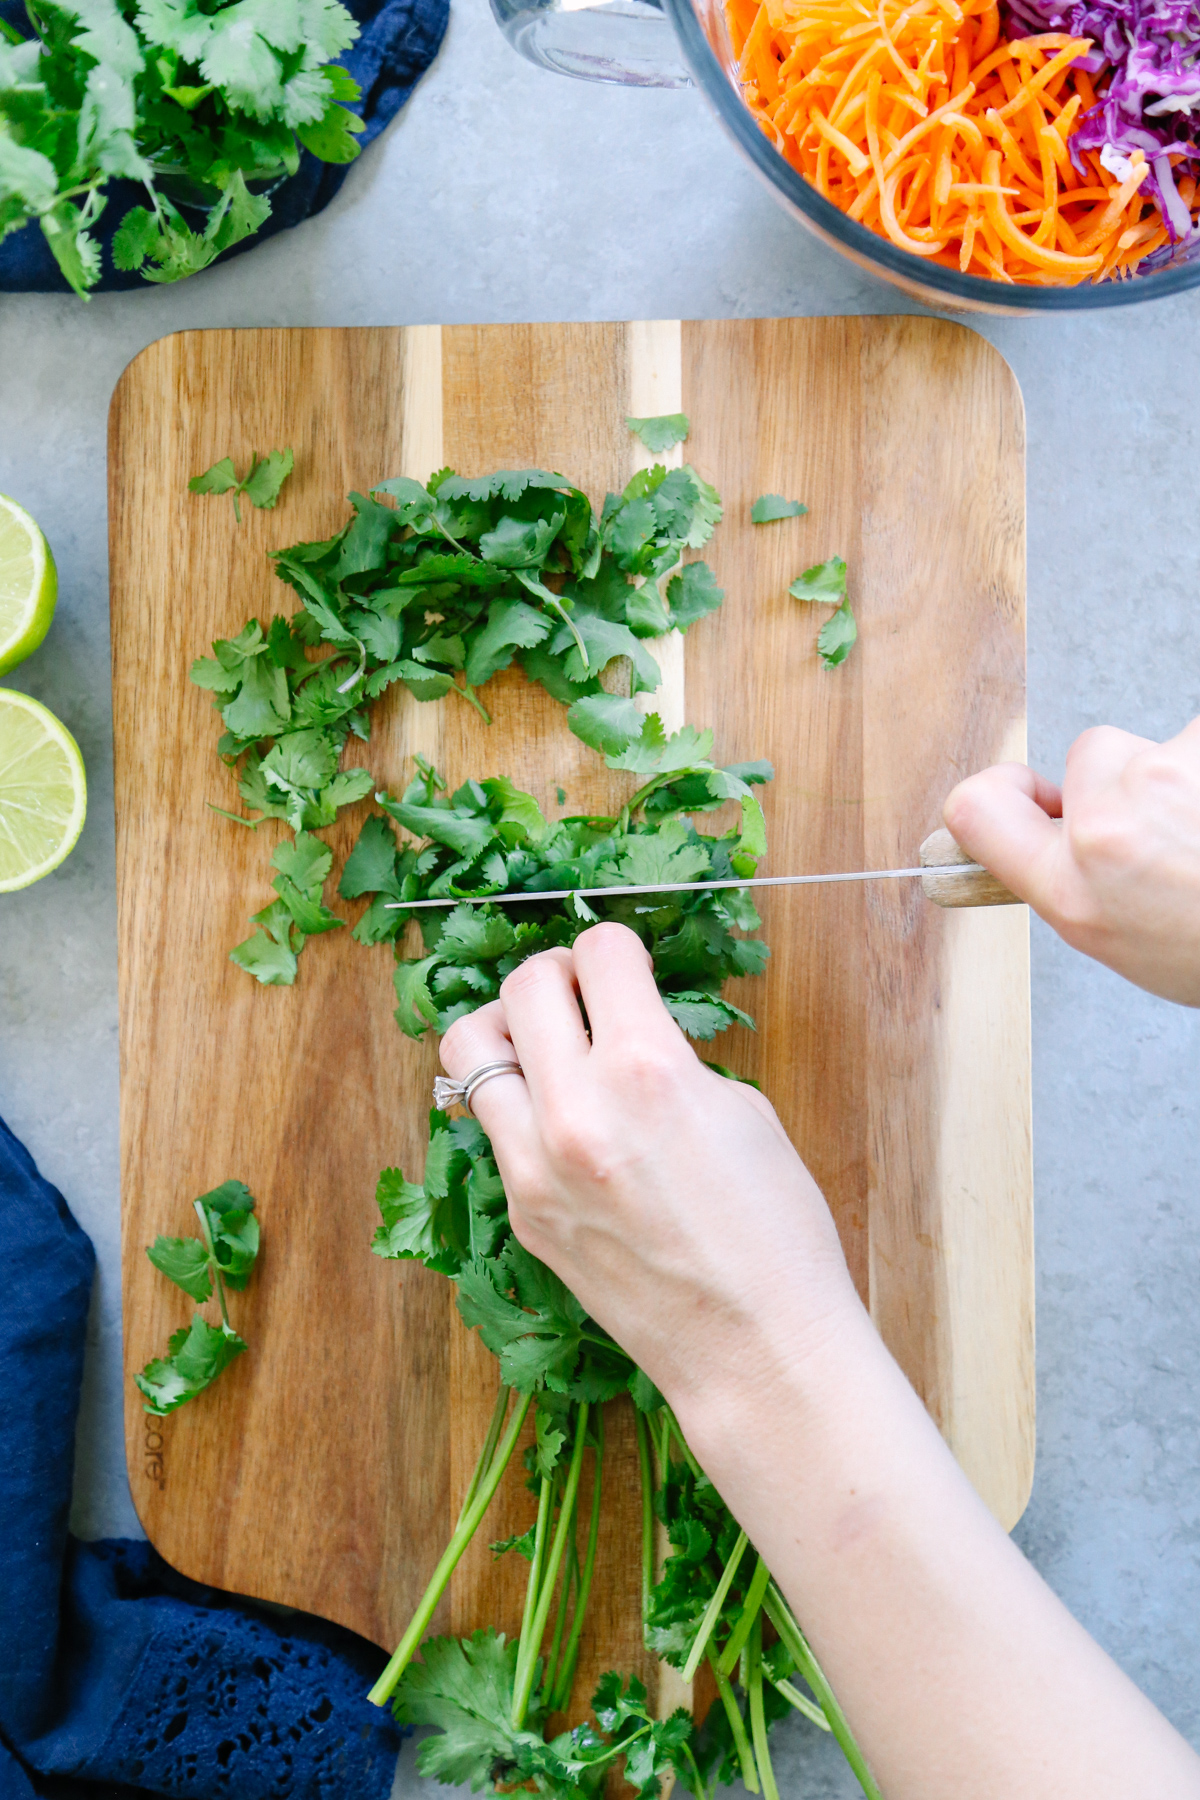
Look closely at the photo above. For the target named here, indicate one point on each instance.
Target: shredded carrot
(918, 119)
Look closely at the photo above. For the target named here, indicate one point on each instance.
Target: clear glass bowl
(631, 41)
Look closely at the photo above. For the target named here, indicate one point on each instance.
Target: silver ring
(446, 1092)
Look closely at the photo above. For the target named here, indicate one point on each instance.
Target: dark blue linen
(118, 1677)
(399, 40)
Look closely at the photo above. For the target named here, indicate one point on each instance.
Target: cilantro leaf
(370, 867)
(511, 625)
(220, 479)
(263, 956)
(264, 479)
(331, 137)
(662, 432)
(184, 1261)
(607, 722)
(702, 1015)
(837, 636)
(196, 1355)
(692, 594)
(521, 1542)
(769, 507)
(824, 582)
(264, 483)
(465, 1689)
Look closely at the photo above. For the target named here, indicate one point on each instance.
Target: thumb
(1004, 818)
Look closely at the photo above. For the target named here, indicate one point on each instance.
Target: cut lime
(28, 585)
(43, 791)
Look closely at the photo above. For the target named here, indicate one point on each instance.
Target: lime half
(28, 585)
(43, 791)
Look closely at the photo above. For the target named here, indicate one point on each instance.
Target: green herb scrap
(198, 102)
(221, 1257)
(439, 588)
(261, 484)
(662, 432)
(837, 636)
(825, 583)
(769, 507)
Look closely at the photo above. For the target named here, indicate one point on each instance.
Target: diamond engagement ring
(446, 1092)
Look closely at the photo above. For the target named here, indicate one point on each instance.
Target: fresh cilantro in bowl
(208, 106)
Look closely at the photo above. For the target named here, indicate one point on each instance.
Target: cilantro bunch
(713, 1601)
(439, 588)
(206, 103)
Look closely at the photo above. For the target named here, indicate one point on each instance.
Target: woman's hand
(1119, 878)
(667, 1197)
(672, 1204)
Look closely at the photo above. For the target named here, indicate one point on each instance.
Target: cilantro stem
(737, 1727)
(361, 670)
(643, 1444)
(782, 1618)
(528, 1651)
(489, 1447)
(663, 1447)
(467, 692)
(571, 626)
(219, 1285)
(713, 1610)
(566, 1674)
(250, 824)
(10, 32)
(673, 1424)
(549, 1672)
(702, 1791)
(740, 1634)
(758, 1718)
(464, 1531)
(801, 1702)
(532, 1586)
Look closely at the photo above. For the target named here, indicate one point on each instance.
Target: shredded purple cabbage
(1151, 103)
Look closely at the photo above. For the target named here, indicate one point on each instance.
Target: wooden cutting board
(325, 1468)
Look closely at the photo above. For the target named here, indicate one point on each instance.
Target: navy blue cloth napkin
(399, 40)
(118, 1677)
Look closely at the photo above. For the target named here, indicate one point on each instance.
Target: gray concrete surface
(506, 193)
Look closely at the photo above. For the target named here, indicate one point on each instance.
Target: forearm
(962, 1675)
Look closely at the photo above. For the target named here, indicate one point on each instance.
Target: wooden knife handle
(947, 886)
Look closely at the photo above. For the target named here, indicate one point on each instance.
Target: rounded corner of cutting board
(144, 360)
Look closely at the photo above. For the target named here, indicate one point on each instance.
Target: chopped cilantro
(261, 483)
(769, 507)
(439, 587)
(826, 583)
(836, 636)
(221, 1257)
(662, 432)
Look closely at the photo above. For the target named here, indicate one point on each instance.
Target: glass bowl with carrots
(1021, 156)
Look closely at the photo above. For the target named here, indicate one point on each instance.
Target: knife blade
(672, 887)
(946, 873)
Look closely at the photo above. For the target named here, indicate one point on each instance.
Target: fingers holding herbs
(665, 1196)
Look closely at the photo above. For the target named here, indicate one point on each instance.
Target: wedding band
(446, 1092)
